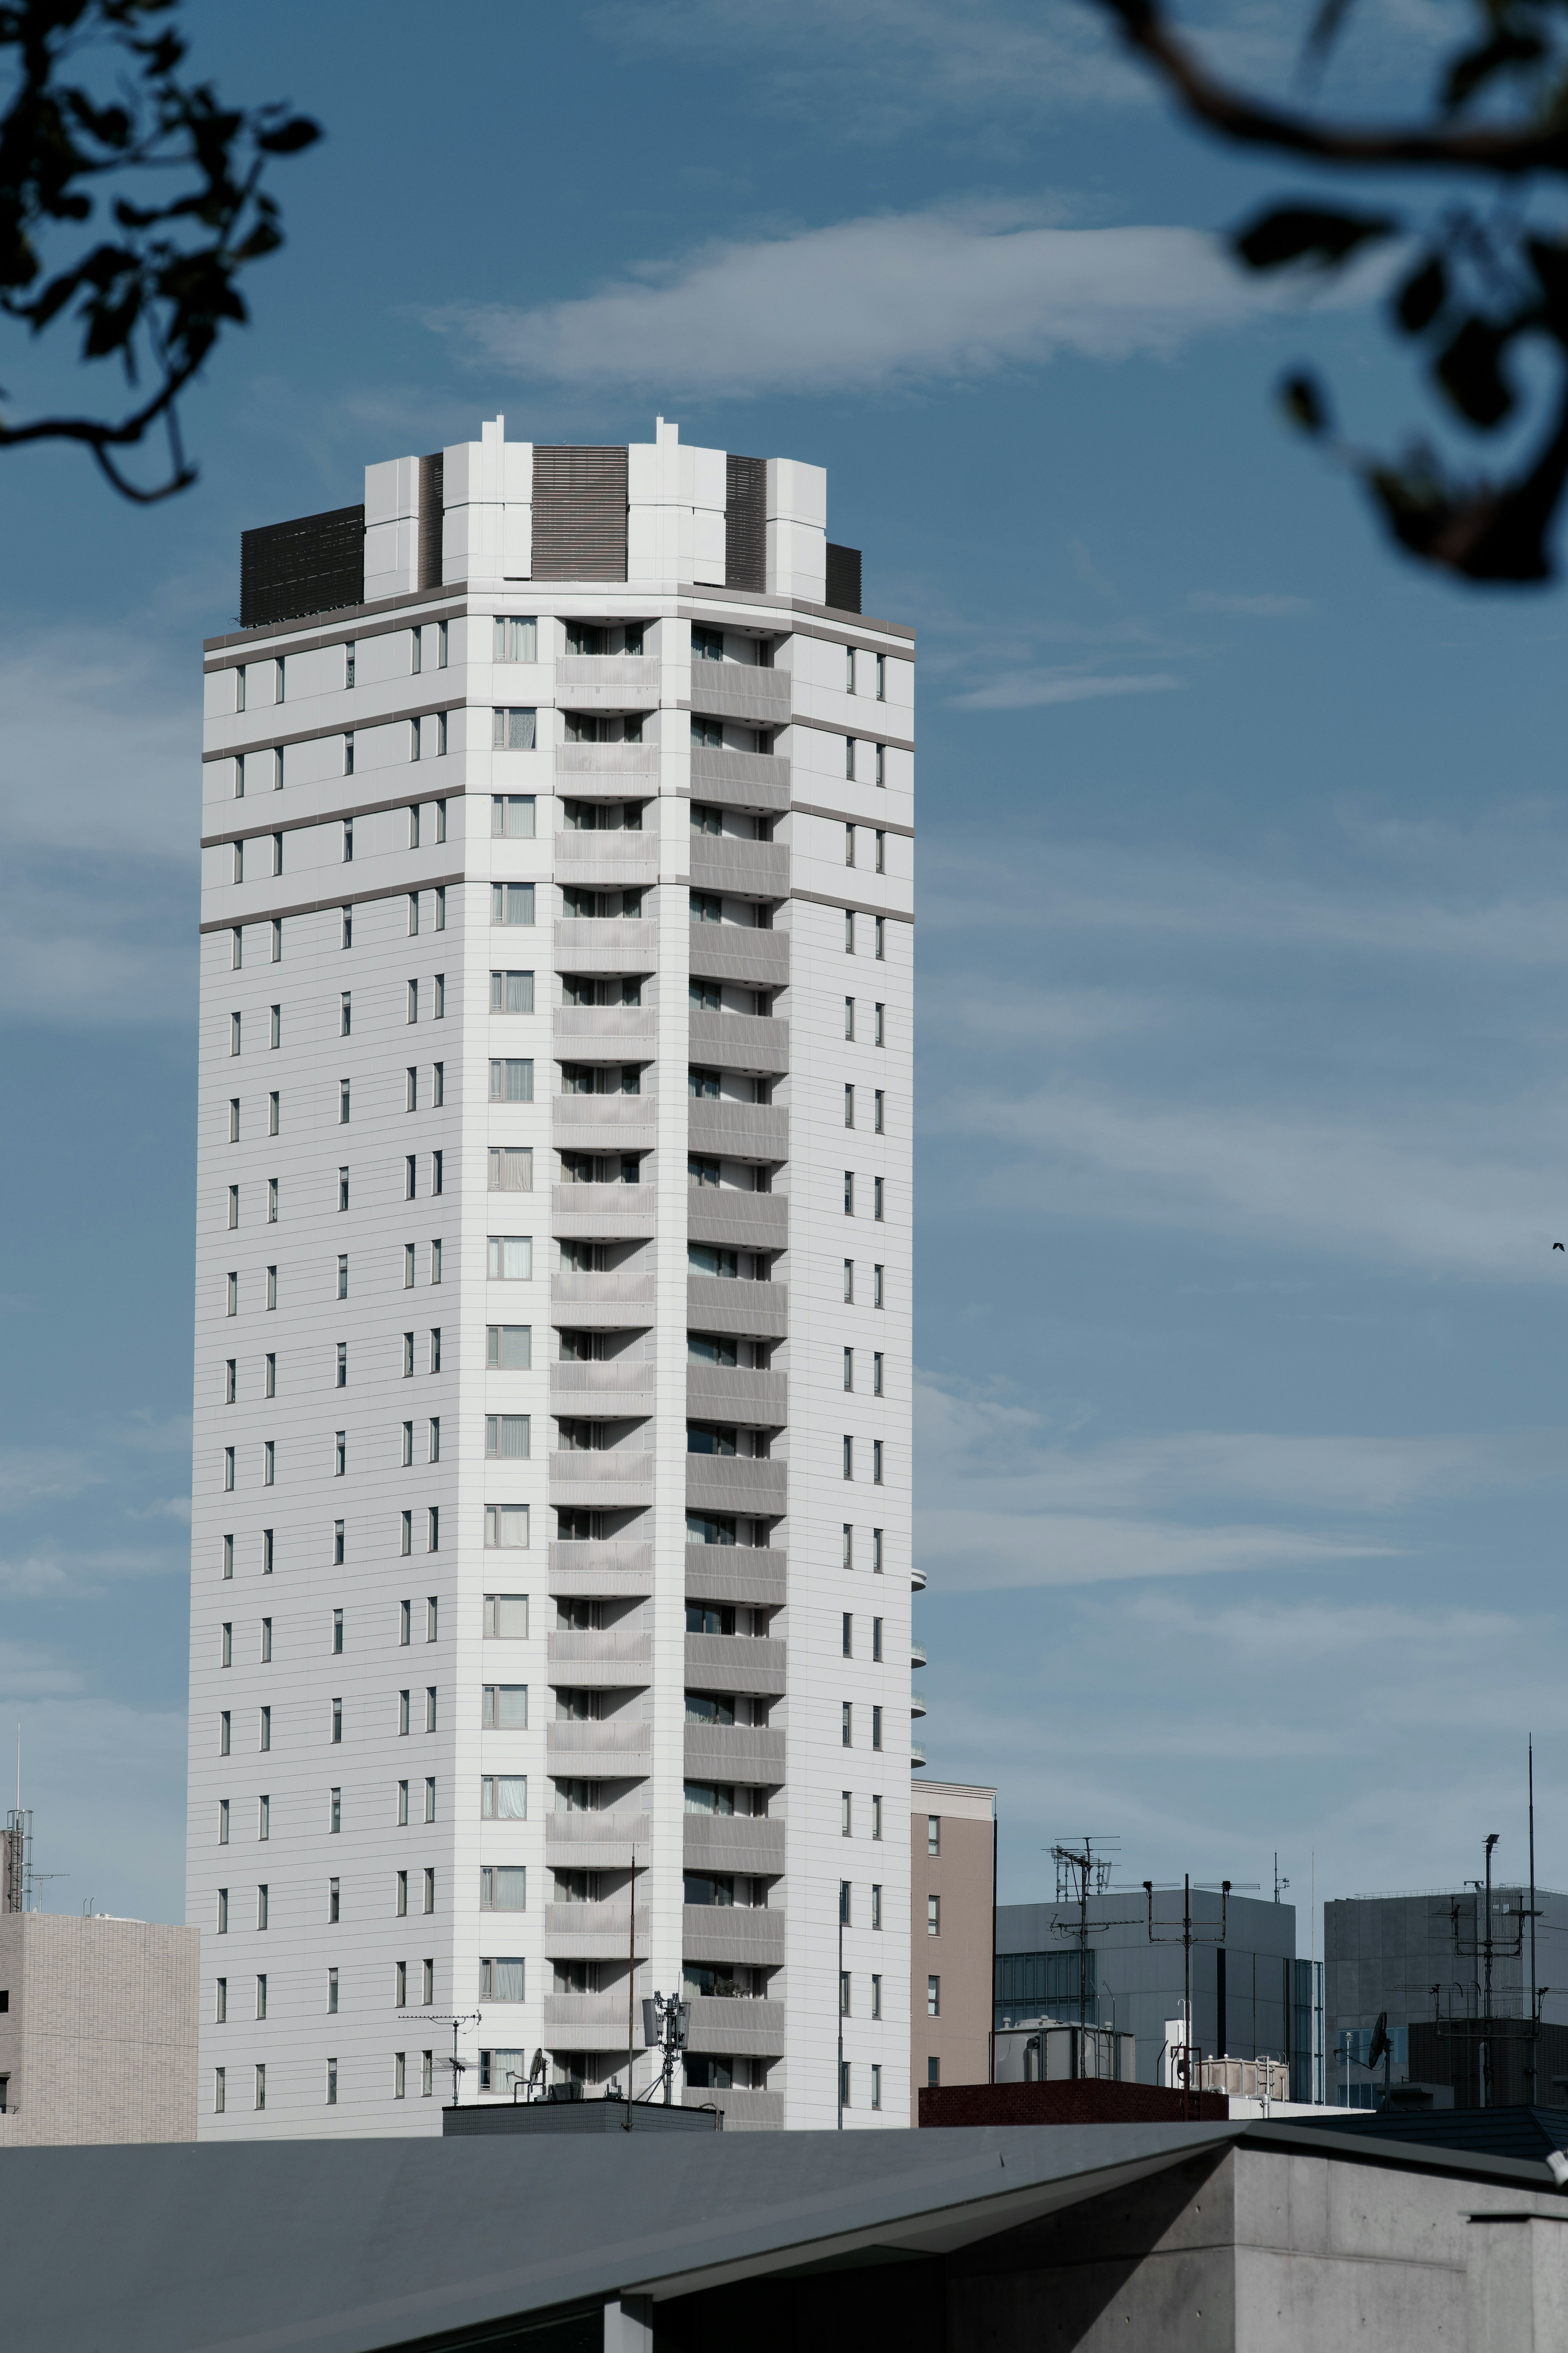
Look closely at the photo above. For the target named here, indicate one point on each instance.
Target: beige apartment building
(953, 1887)
(98, 2030)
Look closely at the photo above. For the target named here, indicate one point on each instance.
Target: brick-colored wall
(98, 2039)
(1087, 2101)
(960, 1955)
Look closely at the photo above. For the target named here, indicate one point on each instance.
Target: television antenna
(1190, 1935)
(455, 2019)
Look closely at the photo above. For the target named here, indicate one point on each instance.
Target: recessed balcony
(716, 1303)
(734, 1752)
(752, 957)
(744, 691)
(601, 1478)
(592, 1932)
(733, 1394)
(748, 1844)
(611, 944)
(588, 2022)
(734, 1662)
(754, 1574)
(740, 869)
(742, 780)
(604, 1302)
(602, 1749)
(737, 1131)
(743, 2111)
(611, 1567)
(607, 682)
(744, 2026)
(617, 771)
(738, 1041)
(737, 1483)
(735, 1219)
(611, 860)
(589, 1842)
(606, 1033)
(747, 1934)
(602, 1212)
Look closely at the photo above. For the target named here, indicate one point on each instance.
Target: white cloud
(1029, 690)
(1263, 608)
(102, 743)
(50, 1572)
(865, 304)
(33, 1475)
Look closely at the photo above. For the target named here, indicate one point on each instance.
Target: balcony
(715, 1302)
(603, 1123)
(743, 2111)
(750, 1934)
(737, 2025)
(744, 780)
(614, 1567)
(733, 1752)
(588, 2022)
(917, 1757)
(591, 1932)
(604, 1755)
(606, 771)
(595, 1841)
(740, 870)
(724, 1842)
(608, 860)
(622, 1388)
(734, 1662)
(738, 1042)
(917, 1655)
(601, 1478)
(738, 1220)
(749, 955)
(606, 1033)
(918, 1579)
(615, 943)
(717, 1393)
(607, 682)
(602, 1212)
(575, 1650)
(601, 1302)
(744, 691)
(736, 1131)
(917, 1707)
(754, 1574)
(737, 1483)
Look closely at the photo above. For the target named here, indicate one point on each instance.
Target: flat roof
(356, 2245)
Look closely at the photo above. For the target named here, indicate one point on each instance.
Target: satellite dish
(1382, 2048)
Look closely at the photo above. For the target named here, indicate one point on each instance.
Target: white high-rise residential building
(552, 1542)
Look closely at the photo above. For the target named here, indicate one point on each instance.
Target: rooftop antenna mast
(1187, 1939)
(1083, 1867)
(1487, 1948)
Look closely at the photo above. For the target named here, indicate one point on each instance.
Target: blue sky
(1243, 892)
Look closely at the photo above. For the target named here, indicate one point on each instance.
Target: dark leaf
(1302, 399)
(1422, 296)
(288, 138)
(1304, 233)
(1470, 372)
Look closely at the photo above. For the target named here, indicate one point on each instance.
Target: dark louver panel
(746, 522)
(843, 591)
(432, 482)
(312, 564)
(579, 513)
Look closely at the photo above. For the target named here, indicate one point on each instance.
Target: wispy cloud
(866, 304)
(1028, 689)
(35, 1474)
(46, 1572)
(1261, 609)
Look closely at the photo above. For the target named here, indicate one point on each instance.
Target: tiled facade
(98, 2030)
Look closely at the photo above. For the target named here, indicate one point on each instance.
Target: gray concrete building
(98, 2030)
(1422, 1957)
(1251, 1997)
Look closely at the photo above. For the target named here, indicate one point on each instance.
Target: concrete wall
(959, 1875)
(98, 2035)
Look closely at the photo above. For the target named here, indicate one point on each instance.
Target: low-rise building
(98, 2030)
(953, 1896)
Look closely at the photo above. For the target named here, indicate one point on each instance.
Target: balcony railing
(628, 681)
(605, 2011)
(749, 2027)
(748, 780)
(726, 1931)
(752, 956)
(611, 944)
(744, 2111)
(734, 1752)
(604, 1737)
(736, 1482)
(614, 1567)
(621, 1377)
(621, 1286)
(757, 1574)
(717, 1393)
(619, 1111)
(741, 691)
(592, 1931)
(715, 1302)
(744, 870)
(607, 859)
(590, 1645)
(601, 1478)
(726, 1842)
(734, 1662)
(571, 1833)
(738, 1220)
(737, 1131)
(738, 1042)
(602, 1212)
(581, 1027)
(633, 763)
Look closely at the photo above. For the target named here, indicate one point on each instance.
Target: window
(850, 1280)
(848, 932)
(849, 845)
(511, 1080)
(407, 1356)
(399, 2073)
(877, 1802)
(503, 1887)
(402, 1809)
(348, 927)
(506, 1437)
(934, 2073)
(881, 946)
(848, 1106)
(503, 1797)
(512, 813)
(272, 1113)
(275, 1036)
(877, 1741)
(411, 1087)
(277, 957)
(239, 861)
(847, 1556)
(228, 1556)
(876, 1903)
(433, 1527)
(848, 1635)
(262, 1906)
(881, 849)
(849, 757)
(934, 1915)
(847, 1725)
(271, 1201)
(849, 1017)
(844, 1993)
(501, 1980)
(348, 821)
(413, 914)
(875, 1286)
(876, 1462)
(876, 2071)
(342, 1364)
(343, 1274)
(509, 1347)
(428, 1972)
(403, 1895)
(849, 1192)
(517, 640)
(844, 1904)
(337, 1734)
(848, 1458)
(511, 1169)
(510, 1258)
(845, 1814)
(234, 1119)
(339, 1453)
(229, 1473)
(223, 1732)
(236, 947)
(437, 1086)
(506, 1617)
(269, 1380)
(335, 1812)
(267, 1641)
(430, 1690)
(879, 1111)
(234, 1033)
(504, 1707)
(223, 1821)
(337, 1544)
(436, 1177)
(272, 1288)
(427, 2058)
(440, 1012)
(222, 1911)
(332, 1992)
(225, 1645)
(933, 1994)
(402, 1714)
(430, 1888)
(410, 1176)
(430, 1798)
(513, 731)
(405, 1544)
(433, 1446)
(511, 992)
